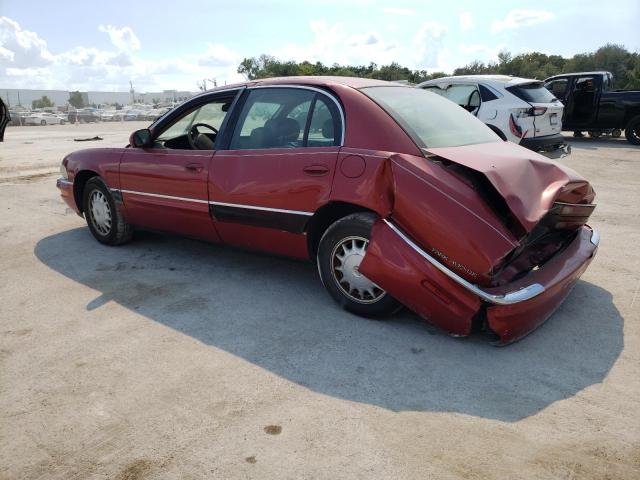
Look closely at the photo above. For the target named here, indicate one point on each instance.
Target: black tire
(498, 132)
(62, 122)
(616, 133)
(119, 231)
(632, 130)
(595, 133)
(43, 122)
(354, 226)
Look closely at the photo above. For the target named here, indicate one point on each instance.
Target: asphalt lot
(171, 358)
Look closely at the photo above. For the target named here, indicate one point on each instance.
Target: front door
(164, 186)
(277, 169)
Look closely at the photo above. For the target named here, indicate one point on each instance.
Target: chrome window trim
(317, 90)
(510, 298)
(222, 204)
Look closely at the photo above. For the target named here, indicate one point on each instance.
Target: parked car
(5, 118)
(398, 195)
(520, 110)
(593, 105)
(17, 117)
(43, 118)
(84, 115)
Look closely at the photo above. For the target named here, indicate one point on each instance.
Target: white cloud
(25, 61)
(21, 48)
(333, 44)
(121, 38)
(521, 18)
(399, 11)
(466, 21)
(429, 41)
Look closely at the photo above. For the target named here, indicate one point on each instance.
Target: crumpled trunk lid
(528, 182)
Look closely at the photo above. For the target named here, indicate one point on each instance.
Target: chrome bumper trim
(510, 298)
(63, 181)
(595, 237)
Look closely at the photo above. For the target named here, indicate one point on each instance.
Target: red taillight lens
(568, 216)
(514, 127)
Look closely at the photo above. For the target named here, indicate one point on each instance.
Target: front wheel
(616, 133)
(632, 130)
(103, 217)
(341, 250)
(43, 122)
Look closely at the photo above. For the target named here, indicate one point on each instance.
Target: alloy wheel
(345, 263)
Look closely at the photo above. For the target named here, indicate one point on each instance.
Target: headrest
(327, 128)
(285, 130)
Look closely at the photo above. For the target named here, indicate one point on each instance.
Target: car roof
(575, 74)
(505, 80)
(312, 81)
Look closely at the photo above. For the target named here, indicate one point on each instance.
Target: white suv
(517, 109)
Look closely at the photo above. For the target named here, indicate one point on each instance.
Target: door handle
(316, 170)
(193, 167)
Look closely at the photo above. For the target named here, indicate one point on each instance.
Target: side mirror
(140, 138)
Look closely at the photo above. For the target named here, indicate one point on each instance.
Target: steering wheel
(193, 133)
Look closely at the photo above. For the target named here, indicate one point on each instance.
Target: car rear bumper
(449, 301)
(553, 144)
(66, 192)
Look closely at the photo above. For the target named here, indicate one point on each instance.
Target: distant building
(14, 97)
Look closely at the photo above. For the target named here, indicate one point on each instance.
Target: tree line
(624, 65)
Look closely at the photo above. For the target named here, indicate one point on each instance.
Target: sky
(90, 45)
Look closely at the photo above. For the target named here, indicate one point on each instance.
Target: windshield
(533, 93)
(431, 120)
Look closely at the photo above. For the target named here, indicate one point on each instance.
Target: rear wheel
(62, 122)
(103, 216)
(43, 122)
(616, 133)
(632, 130)
(595, 133)
(341, 250)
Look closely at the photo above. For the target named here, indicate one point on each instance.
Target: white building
(14, 97)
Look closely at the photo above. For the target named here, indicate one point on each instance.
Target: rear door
(277, 169)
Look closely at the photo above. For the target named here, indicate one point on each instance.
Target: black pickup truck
(4, 119)
(591, 104)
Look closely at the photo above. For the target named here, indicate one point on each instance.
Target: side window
(284, 118)
(486, 94)
(436, 89)
(558, 88)
(212, 114)
(324, 129)
(460, 94)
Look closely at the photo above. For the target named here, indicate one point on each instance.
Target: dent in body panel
(448, 219)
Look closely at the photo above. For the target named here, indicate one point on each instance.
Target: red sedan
(400, 197)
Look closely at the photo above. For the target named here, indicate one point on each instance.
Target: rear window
(532, 93)
(430, 120)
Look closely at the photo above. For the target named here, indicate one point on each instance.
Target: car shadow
(275, 313)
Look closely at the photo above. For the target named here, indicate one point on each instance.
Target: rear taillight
(514, 127)
(570, 216)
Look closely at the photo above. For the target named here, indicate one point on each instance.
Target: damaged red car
(399, 196)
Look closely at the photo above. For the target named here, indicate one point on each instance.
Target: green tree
(76, 99)
(43, 102)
